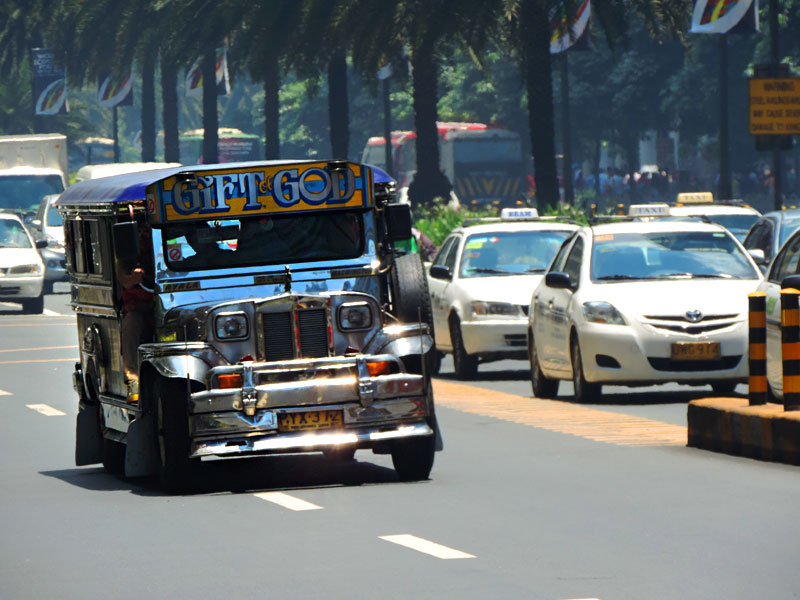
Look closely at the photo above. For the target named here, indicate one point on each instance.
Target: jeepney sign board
(285, 188)
(775, 106)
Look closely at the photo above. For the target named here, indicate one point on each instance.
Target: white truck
(31, 166)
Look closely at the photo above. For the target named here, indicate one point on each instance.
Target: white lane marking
(51, 313)
(46, 410)
(287, 501)
(426, 546)
(5, 393)
(37, 349)
(37, 360)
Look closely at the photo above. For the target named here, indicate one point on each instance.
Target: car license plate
(310, 420)
(695, 351)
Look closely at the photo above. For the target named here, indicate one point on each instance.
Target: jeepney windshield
(270, 239)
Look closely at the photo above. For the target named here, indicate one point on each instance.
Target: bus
(234, 146)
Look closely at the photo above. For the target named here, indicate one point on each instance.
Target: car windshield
(24, 192)
(788, 227)
(738, 225)
(668, 255)
(12, 234)
(509, 253)
(262, 240)
(53, 217)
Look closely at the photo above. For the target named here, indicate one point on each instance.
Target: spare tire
(410, 298)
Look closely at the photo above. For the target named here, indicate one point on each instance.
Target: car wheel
(48, 287)
(33, 305)
(173, 435)
(583, 390)
(413, 458)
(724, 387)
(543, 387)
(465, 365)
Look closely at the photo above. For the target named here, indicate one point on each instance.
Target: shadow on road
(267, 473)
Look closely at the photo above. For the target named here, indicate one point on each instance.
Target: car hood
(657, 299)
(516, 289)
(10, 257)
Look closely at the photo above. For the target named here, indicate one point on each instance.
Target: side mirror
(440, 272)
(558, 280)
(757, 254)
(398, 222)
(41, 244)
(126, 240)
(791, 281)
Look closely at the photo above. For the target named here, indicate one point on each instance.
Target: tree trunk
(272, 86)
(338, 106)
(210, 117)
(429, 182)
(149, 109)
(534, 24)
(169, 99)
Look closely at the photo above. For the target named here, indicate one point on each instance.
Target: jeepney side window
(78, 254)
(92, 248)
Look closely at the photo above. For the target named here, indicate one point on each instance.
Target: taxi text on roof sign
(519, 213)
(774, 106)
(648, 210)
(696, 198)
(284, 188)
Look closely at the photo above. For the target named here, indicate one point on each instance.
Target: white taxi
(481, 282)
(734, 216)
(21, 267)
(640, 303)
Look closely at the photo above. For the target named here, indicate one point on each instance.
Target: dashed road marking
(46, 410)
(5, 393)
(39, 348)
(287, 501)
(559, 416)
(426, 546)
(37, 360)
(51, 313)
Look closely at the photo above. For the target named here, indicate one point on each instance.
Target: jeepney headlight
(231, 326)
(33, 269)
(355, 315)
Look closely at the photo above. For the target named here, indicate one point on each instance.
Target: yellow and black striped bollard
(757, 393)
(790, 346)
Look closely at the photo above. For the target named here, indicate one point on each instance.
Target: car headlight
(355, 315)
(495, 309)
(602, 312)
(231, 326)
(33, 269)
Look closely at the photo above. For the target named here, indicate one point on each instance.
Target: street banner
(725, 16)
(565, 35)
(194, 77)
(49, 83)
(115, 90)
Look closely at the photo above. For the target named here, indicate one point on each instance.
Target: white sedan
(21, 267)
(481, 283)
(639, 303)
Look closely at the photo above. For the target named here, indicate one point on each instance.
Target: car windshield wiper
(538, 270)
(618, 277)
(698, 275)
(488, 270)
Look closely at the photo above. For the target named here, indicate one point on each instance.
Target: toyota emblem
(694, 316)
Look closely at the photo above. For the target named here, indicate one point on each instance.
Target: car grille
(667, 364)
(681, 324)
(279, 337)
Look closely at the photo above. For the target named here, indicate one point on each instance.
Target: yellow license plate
(310, 420)
(695, 351)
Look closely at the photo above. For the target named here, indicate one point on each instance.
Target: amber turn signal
(232, 380)
(381, 367)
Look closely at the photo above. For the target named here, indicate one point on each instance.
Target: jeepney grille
(279, 334)
(313, 327)
(278, 342)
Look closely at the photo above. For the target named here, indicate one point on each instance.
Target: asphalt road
(530, 499)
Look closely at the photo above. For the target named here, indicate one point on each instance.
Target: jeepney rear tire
(172, 425)
(413, 458)
(112, 453)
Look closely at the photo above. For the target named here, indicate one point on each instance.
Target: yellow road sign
(775, 106)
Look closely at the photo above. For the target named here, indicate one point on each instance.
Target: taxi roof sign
(654, 209)
(519, 213)
(696, 198)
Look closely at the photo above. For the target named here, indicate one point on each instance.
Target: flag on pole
(49, 83)
(115, 90)
(565, 35)
(194, 77)
(725, 16)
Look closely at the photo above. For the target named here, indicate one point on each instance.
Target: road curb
(731, 425)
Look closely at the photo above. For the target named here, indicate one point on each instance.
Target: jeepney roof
(131, 187)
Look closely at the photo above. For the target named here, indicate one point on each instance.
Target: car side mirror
(558, 280)
(791, 281)
(126, 240)
(41, 244)
(398, 222)
(757, 254)
(440, 272)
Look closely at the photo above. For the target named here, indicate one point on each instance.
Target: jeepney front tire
(413, 458)
(172, 425)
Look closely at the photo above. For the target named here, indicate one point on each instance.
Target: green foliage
(439, 219)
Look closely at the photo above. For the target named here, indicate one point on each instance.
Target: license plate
(695, 351)
(310, 420)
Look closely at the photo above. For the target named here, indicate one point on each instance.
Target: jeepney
(283, 318)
